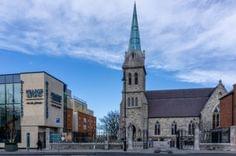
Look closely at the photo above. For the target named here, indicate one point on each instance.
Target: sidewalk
(149, 151)
(176, 151)
(77, 152)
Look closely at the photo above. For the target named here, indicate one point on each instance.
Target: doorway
(42, 137)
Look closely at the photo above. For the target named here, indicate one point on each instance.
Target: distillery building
(37, 106)
(32, 107)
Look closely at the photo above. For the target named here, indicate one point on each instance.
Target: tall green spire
(134, 41)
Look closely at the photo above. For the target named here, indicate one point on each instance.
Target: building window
(2, 93)
(216, 118)
(136, 78)
(17, 93)
(9, 93)
(10, 107)
(85, 124)
(133, 55)
(128, 102)
(136, 101)
(132, 101)
(130, 78)
(191, 128)
(220, 93)
(157, 128)
(174, 128)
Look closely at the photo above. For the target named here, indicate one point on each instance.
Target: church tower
(134, 111)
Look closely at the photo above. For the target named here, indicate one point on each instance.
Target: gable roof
(226, 95)
(177, 103)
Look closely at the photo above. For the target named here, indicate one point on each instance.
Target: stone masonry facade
(212, 103)
(165, 125)
(137, 123)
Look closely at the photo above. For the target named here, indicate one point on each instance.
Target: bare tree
(110, 124)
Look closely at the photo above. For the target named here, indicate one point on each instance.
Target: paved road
(113, 154)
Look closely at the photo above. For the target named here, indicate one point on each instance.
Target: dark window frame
(132, 101)
(157, 130)
(136, 78)
(174, 128)
(216, 118)
(129, 102)
(130, 79)
(191, 128)
(136, 101)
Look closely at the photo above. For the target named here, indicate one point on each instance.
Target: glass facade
(10, 107)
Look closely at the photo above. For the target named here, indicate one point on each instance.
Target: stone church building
(159, 114)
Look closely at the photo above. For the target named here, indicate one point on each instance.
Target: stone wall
(233, 138)
(84, 146)
(212, 103)
(137, 117)
(216, 146)
(141, 80)
(165, 125)
(136, 113)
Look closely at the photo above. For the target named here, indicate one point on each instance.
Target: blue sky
(82, 42)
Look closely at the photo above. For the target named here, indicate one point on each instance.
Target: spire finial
(134, 41)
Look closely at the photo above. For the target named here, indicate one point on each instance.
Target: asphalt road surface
(113, 154)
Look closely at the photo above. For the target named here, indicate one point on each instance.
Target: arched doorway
(132, 132)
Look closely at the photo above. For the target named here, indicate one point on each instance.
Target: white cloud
(208, 77)
(188, 37)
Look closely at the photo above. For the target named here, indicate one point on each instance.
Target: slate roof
(177, 103)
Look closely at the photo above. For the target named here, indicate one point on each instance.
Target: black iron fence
(184, 140)
(220, 135)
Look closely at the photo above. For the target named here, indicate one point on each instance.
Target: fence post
(130, 143)
(196, 137)
(233, 138)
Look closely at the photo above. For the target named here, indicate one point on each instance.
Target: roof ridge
(178, 98)
(180, 89)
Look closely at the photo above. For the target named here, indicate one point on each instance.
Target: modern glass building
(31, 108)
(10, 107)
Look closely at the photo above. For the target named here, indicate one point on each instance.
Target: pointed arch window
(130, 78)
(174, 128)
(133, 55)
(216, 118)
(136, 78)
(136, 101)
(128, 102)
(191, 128)
(157, 128)
(132, 101)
